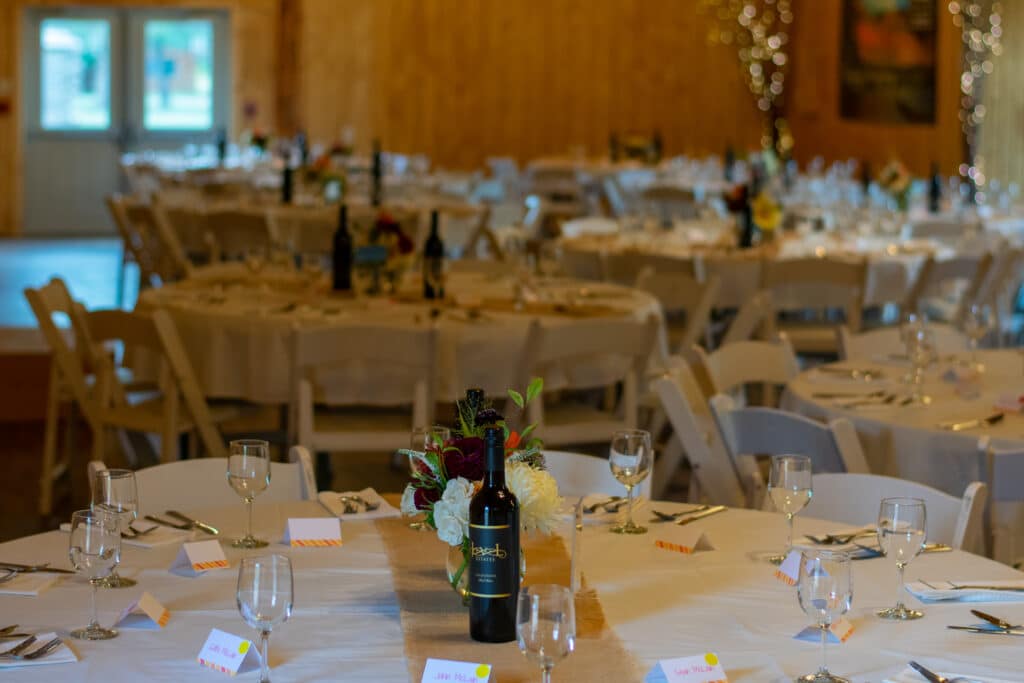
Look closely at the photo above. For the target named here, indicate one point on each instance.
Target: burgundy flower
(465, 458)
(424, 498)
(488, 416)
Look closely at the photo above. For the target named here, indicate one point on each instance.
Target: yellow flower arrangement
(767, 212)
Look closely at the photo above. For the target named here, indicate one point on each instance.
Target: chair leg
(49, 448)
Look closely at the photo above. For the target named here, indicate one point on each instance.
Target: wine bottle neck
(495, 478)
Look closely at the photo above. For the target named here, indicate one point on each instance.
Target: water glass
(114, 492)
(978, 324)
(921, 351)
(249, 474)
(265, 596)
(255, 257)
(825, 591)
(93, 548)
(901, 536)
(630, 459)
(546, 625)
(789, 487)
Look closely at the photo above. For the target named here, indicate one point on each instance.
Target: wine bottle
(433, 262)
(286, 184)
(302, 142)
(222, 146)
(865, 180)
(494, 549)
(376, 171)
(748, 231)
(935, 190)
(730, 162)
(341, 258)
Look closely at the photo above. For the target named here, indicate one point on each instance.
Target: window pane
(179, 75)
(75, 74)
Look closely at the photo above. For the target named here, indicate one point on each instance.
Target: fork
(19, 647)
(592, 508)
(673, 516)
(41, 651)
(135, 533)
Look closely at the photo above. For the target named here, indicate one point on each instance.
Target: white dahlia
(451, 513)
(537, 493)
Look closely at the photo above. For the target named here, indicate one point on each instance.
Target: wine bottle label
(492, 569)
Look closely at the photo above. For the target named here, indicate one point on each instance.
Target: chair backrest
(188, 222)
(887, 341)
(933, 228)
(817, 283)
(671, 202)
(585, 264)
(963, 274)
(304, 230)
(578, 475)
(732, 366)
(236, 230)
(754, 319)
(855, 498)
(680, 293)
(139, 237)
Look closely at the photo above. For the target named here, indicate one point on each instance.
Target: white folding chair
(140, 241)
(685, 295)
(945, 289)
(583, 263)
(887, 341)
(670, 202)
(731, 367)
(579, 475)
(238, 230)
(755, 319)
(1006, 479)
(854, 498)
(353, 386)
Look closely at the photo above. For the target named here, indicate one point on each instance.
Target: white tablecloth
(346, 627)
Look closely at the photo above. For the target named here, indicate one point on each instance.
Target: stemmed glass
(789, 487)
(630, 459)
(424, 437)
(93, 547)
(901, 536)
(265, 595)
(116, 494)
(249, 474)
(978, 323)
(825, 591)
(255, 257)
(546, 625)
(921, 350)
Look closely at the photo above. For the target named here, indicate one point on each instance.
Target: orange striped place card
(789, 571)
(705, 668)
(686, 541)
(146, 612)
(839, 632)
(313, 532)
(228, 653)
(199, 557)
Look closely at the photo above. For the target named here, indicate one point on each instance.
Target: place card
(705, 668)
(314, 532)
(198, 557)
(789, 571)
(688, 542)
(839, 632)
(228, 653)
(456, 672)
(146, 612)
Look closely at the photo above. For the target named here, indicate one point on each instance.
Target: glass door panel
(75, 64)
(179, 75)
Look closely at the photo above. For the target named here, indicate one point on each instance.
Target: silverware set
(660, 516)
(865, 374)
(18, 652)
(353, 503)
(33, 568)
(988, 421)
(933, 677)
(841, 539)
(185, 523)
(612, 504)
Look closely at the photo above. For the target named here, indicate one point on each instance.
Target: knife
(929, 675)
(213, 531)
(1001, 632)
(700, 515)
(995, 418)
(34, 568)
(994, 620)
(164, 522)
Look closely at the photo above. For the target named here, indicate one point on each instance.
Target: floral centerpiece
(767, 213)
(324, 172)
(446, 475)
(895, 180)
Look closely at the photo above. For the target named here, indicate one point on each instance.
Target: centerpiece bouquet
(895, 180)
(446, 475)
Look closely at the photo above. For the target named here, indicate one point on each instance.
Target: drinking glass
(264, 596)
(901, 536)
(312, 265)
(921, 350)
(978, 323)
(789, 487)
(248, 475)
(115, 493)
(255, 257)
(546, 625)
(631, 459)
(424, 437)
(93, 547)
(825, 591)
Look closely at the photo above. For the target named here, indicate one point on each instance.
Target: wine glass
(264, 596)
(921, 350)
(789, 487)
(978, 324)
(115, 493)
(312, 265)
(249, 474)
(825, 591)
(255, 257)
(424, 437)
(631, 459)
(546, 625)
(93, 547)
(901, 536)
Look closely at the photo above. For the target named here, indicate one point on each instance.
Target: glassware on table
(249, 474)
(979, 322)
(93, 548)
(921, 351)
(789, 487)
(255, 258)
(115, 493)
(825, 591)
(546, 625)
(265, 597)
(424, 437)
(901, 536)
(312, 266)
(630, 459)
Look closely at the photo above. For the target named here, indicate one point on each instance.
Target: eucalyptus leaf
(516, 397)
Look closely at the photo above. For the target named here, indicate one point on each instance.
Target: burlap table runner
(435, 623)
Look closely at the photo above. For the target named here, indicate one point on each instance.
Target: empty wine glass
(93, 547)
(901, 536)
(546, 625)
(978, 324)
(630, 459)
(265, 597)
(248, 475)
(114, 492)
(921, 350)
(825, 591)
(424, 437)
(789, 487)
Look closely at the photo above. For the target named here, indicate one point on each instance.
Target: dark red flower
(465, 458)
(424, 498)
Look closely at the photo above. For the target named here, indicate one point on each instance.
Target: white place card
(687, 542)
(196, 558)
(839, 632)
(313, 532)
(146, 612)
(705, 668)
(789, 571)
(455, 672)
(228, 653)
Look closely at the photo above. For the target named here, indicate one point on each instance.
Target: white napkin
(62, 655)
(28, 583)
(332, 501)
(908, 675)
(943, 592)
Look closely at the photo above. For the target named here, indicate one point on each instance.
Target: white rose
(537, 493)
(451, 513)
(409, 500)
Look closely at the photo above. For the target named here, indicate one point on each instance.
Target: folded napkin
(943, 591)
(28, 583)
(908, 675)
(332, 501)
(62, 655)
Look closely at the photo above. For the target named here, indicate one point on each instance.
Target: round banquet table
(236, 327)
(346, 622)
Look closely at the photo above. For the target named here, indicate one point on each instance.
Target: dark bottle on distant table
(935, 190)
(376, 176)
(302, 142)
(222, 146)
(341, 258)
(433, 262)
(865, 180)
(287, 182)
(748, 231)
(494, 549)
(729, 162)
(613, 147)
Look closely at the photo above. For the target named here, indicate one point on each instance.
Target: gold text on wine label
(482, 551)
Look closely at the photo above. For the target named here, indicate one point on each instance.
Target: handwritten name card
(455, 672)
(228, 653)
(705, 668)
(196, 558)
(316, 532)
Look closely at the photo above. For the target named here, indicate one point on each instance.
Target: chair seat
(811, 337)
(362, 427)
(147, 415)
